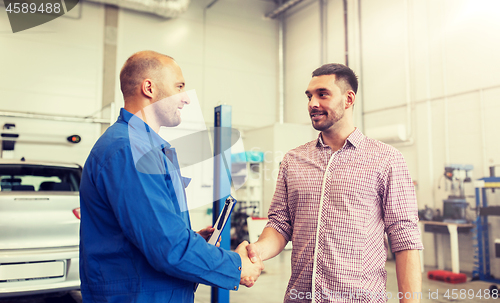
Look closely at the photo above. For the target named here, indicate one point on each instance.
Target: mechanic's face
(326, 102)
(170, 95)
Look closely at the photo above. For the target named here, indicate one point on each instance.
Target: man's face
(169, 100)
(326, 102)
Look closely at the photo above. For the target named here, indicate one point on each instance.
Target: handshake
(251, 260)
(251, 263)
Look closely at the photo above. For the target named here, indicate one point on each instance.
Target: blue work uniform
(136, 242)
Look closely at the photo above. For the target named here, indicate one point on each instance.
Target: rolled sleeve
(279, 213)
(400, 206)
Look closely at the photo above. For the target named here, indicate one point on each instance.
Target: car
(39, 227)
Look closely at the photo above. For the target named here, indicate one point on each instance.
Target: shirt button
(239, 268)
(236, 287)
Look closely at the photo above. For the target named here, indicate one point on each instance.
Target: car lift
(222, 182)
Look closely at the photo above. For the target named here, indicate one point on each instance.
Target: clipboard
(222, 220)
(220, 223)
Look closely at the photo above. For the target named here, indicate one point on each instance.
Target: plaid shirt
(335, 208)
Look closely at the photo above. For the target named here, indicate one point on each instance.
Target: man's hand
(249, 271)
(255, 254)
(207, 232)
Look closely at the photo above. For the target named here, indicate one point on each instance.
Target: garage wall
(228, 53)
(53, 69)
(440, 58)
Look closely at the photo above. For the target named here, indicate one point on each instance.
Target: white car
(39, 227)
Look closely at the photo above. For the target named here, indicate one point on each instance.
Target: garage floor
(271, 286)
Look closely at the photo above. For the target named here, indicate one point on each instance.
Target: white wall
(441, 56)
(228, 53)
(53, 69)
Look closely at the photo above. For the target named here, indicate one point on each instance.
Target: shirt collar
(320, 141)
(143, 132)
(354, 139)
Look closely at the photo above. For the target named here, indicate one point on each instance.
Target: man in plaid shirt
(336, 197)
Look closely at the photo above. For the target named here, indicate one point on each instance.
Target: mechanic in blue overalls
(136, 242)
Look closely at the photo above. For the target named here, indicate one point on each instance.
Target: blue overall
(136, 242)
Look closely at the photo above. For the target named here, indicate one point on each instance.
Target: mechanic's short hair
(140, 66)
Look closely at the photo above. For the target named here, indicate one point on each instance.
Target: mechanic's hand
(250, 272)
(206, 232)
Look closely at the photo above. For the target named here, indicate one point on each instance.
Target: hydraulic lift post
(222, 182)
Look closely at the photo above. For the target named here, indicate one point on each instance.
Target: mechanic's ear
(147, 88)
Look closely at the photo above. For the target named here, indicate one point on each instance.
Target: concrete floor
(271, 286)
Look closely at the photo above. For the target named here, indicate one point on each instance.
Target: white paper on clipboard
(222, 220)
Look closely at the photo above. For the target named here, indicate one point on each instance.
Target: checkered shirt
(335, 207)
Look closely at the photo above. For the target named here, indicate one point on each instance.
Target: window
(27, 177)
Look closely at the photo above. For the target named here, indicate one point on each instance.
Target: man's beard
(329, 121)
(322, 126)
